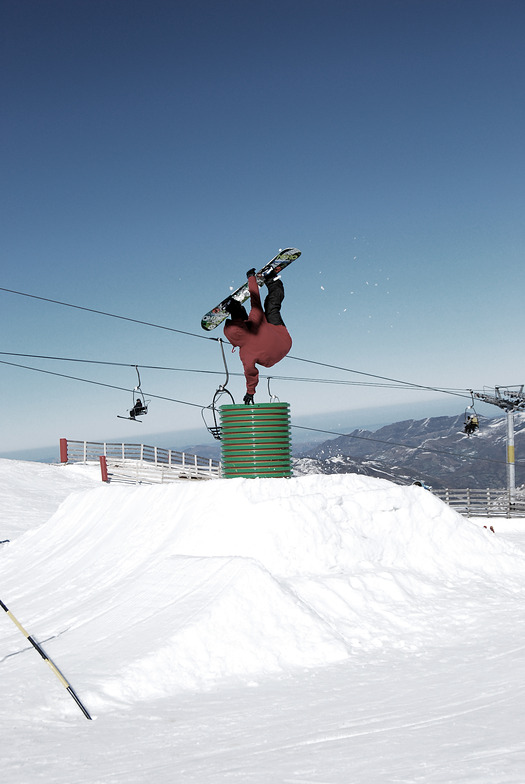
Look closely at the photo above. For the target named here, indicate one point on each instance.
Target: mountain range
(435, 451)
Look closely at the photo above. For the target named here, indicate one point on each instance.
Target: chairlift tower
(510, 399)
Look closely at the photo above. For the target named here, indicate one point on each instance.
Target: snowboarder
(262, 337)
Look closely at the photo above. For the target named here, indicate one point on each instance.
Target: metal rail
(482, 503)
(135, 459)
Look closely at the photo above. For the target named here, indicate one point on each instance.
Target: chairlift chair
(471, 419)
(213, 427)
(140, 404)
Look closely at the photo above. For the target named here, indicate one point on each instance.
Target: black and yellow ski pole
(46, 658)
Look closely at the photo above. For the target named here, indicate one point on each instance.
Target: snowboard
(220, 313)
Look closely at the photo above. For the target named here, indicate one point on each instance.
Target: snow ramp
(139, 592)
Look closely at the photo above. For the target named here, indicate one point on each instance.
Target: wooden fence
(139, 462)
(482, 503)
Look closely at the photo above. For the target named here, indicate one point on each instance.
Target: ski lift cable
(405, 446)
(305, 379)
(209, 337)
(105, 313)
(342, 382)
(98, 383)
(408, 384)
(297, 427)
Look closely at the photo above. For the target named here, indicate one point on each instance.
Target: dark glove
(248, 400)
(250, 272)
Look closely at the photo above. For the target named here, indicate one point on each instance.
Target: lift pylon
(510, 399)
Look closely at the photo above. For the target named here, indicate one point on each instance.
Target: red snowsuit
(258, 340)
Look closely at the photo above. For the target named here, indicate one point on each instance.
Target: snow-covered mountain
(435, 450)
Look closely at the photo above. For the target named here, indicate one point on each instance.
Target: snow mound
(30, 492)
(182, 586)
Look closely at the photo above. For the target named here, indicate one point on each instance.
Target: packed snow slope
(30, 492)
(147, 592)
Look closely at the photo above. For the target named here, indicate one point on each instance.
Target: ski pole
(48, 660)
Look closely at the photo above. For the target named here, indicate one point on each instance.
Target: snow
(31, 492)
(331, 629)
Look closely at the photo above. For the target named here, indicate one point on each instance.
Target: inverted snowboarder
(262, 337)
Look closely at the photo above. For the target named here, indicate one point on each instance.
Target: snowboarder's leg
(272, 303)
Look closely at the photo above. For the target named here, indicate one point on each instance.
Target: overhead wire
(111, 315)
(297, 427)
(304, 379)
(406, 384)
(398, 384)
(97, 383)
(405, 446)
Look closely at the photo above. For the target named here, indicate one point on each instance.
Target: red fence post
(103, 467)
(63, 450)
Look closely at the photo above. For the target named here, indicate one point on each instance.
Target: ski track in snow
(328, 629)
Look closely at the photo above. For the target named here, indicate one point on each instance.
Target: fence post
(103, 467)
(63, 450)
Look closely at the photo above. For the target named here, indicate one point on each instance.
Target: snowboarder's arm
(256, 312)
(252, 377)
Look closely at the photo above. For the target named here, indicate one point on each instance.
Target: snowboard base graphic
(220, 313)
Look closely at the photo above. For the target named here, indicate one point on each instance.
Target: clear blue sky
(153, 151)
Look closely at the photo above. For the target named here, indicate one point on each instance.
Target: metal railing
(482, 503)
(140, 461)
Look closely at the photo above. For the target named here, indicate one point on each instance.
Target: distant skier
(138, 409)
(471, 425)
(262, 337)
